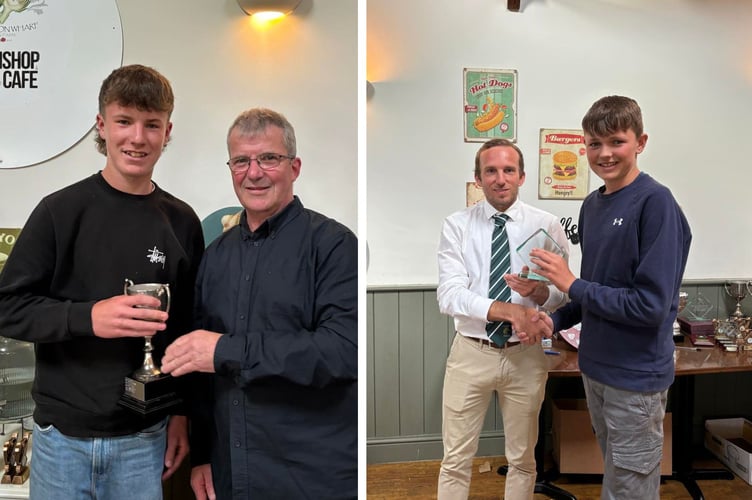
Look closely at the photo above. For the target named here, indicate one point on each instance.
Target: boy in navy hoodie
(635, 241)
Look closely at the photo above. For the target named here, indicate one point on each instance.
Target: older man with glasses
(276, 319)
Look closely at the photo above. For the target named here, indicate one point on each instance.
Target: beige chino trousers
(473, 372)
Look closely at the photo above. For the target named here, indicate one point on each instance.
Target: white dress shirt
(465, 260)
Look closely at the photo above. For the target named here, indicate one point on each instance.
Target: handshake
(529, 324)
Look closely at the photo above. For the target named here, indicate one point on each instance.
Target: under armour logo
(618, 221)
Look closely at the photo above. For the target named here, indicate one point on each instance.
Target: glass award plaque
(699, 308)
(539, 239)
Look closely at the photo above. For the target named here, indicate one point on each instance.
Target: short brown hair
(492, 143)
(613, 114)
(136, 86)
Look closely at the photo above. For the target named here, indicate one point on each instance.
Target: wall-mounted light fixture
(268, 9)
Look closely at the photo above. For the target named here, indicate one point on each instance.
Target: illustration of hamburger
(565, 166)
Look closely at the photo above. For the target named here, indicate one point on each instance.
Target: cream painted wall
(220, 64)
(687, 62)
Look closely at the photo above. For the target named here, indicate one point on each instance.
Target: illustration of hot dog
(491, 116)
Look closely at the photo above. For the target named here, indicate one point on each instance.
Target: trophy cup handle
(727, 290)
(167, 287)
(749, 290)
(126, 285)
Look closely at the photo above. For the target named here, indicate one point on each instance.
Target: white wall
(220, 64)
(687, 62)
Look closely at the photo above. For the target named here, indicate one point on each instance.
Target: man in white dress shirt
(476, 366)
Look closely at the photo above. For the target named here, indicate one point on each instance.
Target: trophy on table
(16, 468)
(682, 304)
(737, 290)
(539, 239)
(697, 322)
(699, 308)
(148, 390)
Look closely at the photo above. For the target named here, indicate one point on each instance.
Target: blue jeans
(629, 429)
(111, 468)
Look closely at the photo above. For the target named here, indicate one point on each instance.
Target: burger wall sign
(563, 171)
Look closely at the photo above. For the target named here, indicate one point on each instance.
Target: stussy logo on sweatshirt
(156, 257)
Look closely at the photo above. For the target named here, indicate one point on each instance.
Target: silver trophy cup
(148, 390)
(148, 370)
(737, 290)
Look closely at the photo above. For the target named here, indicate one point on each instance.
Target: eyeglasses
(266, 161)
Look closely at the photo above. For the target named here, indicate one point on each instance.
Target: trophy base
(697, 327)
(150, 396)
(18, 475)
(532, 276)
(699, 340)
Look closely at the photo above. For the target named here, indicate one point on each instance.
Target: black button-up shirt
(285, 389)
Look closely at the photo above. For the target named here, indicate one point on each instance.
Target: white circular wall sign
(53, 58)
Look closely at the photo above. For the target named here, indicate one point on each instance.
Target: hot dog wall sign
(490, 106)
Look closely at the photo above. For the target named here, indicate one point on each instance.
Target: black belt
(487, 342)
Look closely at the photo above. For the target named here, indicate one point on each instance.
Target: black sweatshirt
(79, 246)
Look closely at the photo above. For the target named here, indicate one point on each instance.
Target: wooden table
(690, 362)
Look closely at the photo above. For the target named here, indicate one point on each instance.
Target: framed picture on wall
(490, 104)
(563, 172)
(8, 237)
(473, 194)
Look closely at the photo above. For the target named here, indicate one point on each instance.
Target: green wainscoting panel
(408, 341)
(385, 332)
(438, 332)
(410, 363)
(370, 365)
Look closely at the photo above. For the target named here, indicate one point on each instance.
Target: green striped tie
(499, 331)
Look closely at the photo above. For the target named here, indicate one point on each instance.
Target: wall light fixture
(268, 9)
